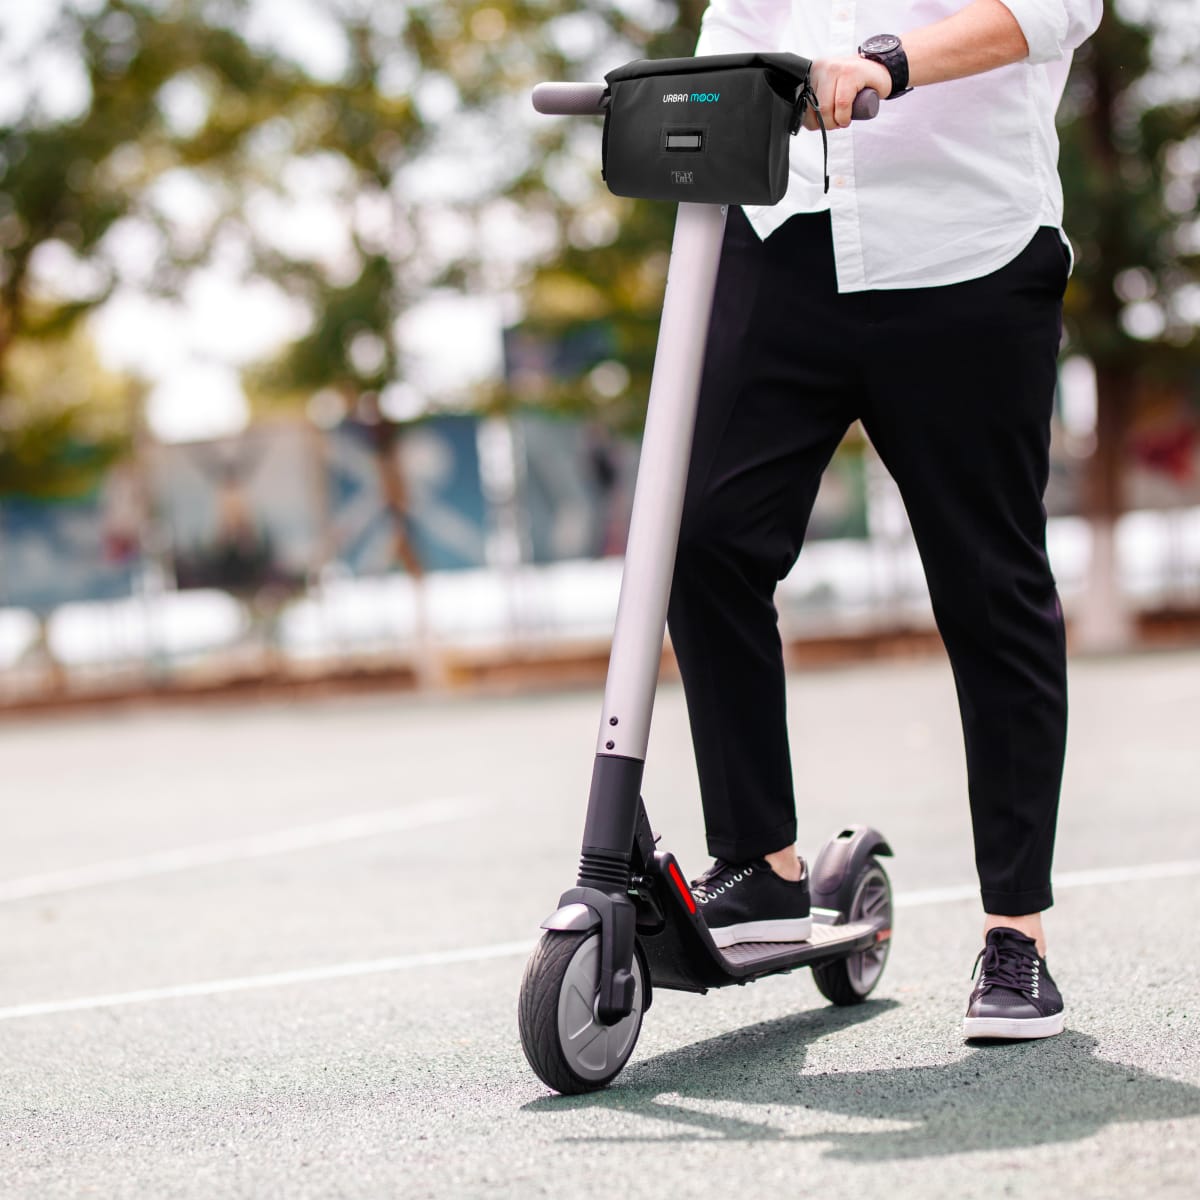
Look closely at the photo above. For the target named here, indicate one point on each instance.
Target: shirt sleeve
(1053, 28)
(737, 26)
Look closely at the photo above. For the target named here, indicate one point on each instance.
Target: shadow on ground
(995, 1097)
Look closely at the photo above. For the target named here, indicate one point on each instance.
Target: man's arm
(981, 37)
(984, 35)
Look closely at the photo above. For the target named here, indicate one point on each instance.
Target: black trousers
(954, 386)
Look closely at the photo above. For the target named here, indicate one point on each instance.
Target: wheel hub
(592, 1049)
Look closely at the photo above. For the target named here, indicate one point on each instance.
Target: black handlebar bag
(711, 130)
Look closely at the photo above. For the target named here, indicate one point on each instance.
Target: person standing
(920, 294)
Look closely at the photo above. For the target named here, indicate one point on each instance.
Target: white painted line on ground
(1062, 881)
(283, 841)
(218, 987)
(441, 958)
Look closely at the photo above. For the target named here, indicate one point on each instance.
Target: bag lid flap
(793, 65)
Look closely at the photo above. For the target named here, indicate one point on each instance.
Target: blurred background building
(323, 357)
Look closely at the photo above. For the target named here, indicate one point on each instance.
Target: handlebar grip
(569, 99)
(865, 106)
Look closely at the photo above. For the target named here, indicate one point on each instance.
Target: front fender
(572, 918)
(839, 864)
(580, 918)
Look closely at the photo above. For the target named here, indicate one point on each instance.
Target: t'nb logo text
(682, 177)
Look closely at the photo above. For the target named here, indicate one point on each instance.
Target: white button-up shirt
(949, 182)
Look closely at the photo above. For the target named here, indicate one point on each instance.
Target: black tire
(540, 1014)
(852, 979)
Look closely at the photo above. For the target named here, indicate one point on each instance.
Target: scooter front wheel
(566, 1044)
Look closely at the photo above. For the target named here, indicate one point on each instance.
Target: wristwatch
(885, 49)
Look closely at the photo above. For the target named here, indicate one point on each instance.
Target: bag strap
(807, 98)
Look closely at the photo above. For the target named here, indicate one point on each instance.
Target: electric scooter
(631, 923)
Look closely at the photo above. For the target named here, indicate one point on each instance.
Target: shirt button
(839, 181)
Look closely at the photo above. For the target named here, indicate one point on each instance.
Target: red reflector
(882, 935)
(684, 891)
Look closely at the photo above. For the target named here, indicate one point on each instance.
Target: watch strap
(895, 61)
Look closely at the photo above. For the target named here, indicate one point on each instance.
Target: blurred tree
(115, 97)
(612, 263)
(449, 181)
(71, 417)
(411, 146)
(351, 146)
(1130, 162)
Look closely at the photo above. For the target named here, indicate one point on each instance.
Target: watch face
(881, 43)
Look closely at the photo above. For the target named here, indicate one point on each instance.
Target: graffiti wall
(406, 497)
(575, 488)
(55, 552)
(242, 513)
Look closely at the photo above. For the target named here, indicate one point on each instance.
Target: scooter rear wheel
(564, 1041)
(851, 980)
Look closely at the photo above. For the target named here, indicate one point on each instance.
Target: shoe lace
(717, 878)
(1007, 963)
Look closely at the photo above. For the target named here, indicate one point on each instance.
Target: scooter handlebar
(587, 100)
(569, 99)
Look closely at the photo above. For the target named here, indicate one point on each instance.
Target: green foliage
(73, 418)
(424, 89)
(1131, 176)
(70, 180)
(475, 64)
(66, 182)
(612, 263)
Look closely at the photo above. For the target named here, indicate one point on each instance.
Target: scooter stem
(662, 476)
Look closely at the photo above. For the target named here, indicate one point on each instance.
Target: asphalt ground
(274, 951)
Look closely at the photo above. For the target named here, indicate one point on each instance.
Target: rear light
(684, 890)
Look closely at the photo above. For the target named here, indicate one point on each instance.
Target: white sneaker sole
(797, 930)
(1014, 1027)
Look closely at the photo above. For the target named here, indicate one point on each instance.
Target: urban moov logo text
(694, 97)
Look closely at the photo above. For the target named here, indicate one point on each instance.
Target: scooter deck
(826, 941)
(682, 955)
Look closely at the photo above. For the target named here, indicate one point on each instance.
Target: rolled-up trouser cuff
(740, 850)
(1017, 904)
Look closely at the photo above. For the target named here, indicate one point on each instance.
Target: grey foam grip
(865, 106)
(569, 99)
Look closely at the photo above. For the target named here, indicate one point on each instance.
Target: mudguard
(839, 864)
(580, 918)
(572, 918)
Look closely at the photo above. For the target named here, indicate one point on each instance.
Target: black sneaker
(1015, 996)
(750, 903)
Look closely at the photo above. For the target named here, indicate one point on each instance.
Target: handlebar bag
(712, 130)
